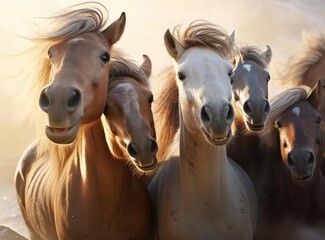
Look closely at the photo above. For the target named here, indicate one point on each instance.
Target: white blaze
(247, 67)
(296, 111)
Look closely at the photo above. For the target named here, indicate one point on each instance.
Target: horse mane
(201, 33)
(309, 53)
(166, 109)
(121, 66)
(66, 24)
(279, 103)
(254, 54)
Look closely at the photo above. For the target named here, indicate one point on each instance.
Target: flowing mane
(310, 52)
(279, 104)
(254, 54)
(201, 33)
(123, 67)
(165, 109)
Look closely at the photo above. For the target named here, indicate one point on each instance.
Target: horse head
(78, 79)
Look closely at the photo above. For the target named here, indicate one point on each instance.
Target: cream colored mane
(310, 52)
(254, 54)
(279, 104)
(204, 34)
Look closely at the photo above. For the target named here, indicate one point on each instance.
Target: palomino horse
(198, 192)
(292, 186)
(74, 187)
(250, 100)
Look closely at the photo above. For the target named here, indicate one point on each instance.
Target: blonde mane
(310, 52)
(254, 54)
(201, 33)
(279, 103)
(165, 109)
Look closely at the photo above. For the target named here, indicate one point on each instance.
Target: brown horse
(291, 187)
(307, 67)
(250, 100)
(73, 186)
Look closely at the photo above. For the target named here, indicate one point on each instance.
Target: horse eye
(151, 99)
(230, 73)
(268, 78)
(105, 57)
(181, 76)
(49, 53)
(318, 120)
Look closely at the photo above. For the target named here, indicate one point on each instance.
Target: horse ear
(173, 46)
(267, 55)
(232, 35)
(316, 94)
(146, 66)
(114, 31)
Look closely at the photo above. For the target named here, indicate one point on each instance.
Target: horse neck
(203, 166)
(242, 147)
(96, 164)
(301, 198)
(298, 193)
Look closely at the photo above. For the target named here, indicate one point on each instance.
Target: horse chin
(254, 127)
(300, 177)
(145, 168)
(63, 135)
(217, 141)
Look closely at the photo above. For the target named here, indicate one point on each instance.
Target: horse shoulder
(24, 163)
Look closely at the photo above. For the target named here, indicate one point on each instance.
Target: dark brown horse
(250, 100)
(291, 187)
(79, 185)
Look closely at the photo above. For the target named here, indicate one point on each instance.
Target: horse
(250, 100)
(74, 181)
(198, 193)
(306, 67)
(291, 190)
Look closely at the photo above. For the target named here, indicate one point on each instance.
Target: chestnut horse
(199, 193)
(69, 184)
(291, 187)
(250, 100)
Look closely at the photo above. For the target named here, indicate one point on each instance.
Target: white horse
(199, 193)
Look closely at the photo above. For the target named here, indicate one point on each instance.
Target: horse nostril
(247, 108)
(206, 114)
(266, 107)
(44, 100)
(132, 149)
(153, 146)
(311, 159)
(73, 100)
(291, 163)
(229, 113)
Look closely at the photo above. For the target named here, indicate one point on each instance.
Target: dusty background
(273, 22)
